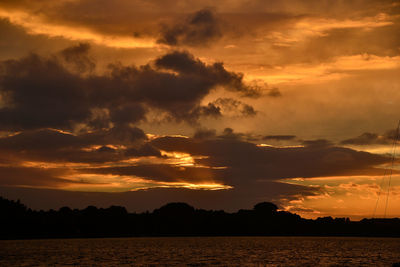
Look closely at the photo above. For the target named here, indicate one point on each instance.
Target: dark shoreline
(179, 220)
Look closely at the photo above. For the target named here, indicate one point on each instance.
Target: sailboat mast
(391, 167)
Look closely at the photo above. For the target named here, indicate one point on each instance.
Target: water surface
(202, 251)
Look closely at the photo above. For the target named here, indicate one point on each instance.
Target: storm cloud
(40, 92)
(246, 162)
(47, 145)
(197, 29)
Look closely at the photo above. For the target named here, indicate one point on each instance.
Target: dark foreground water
(202, 251)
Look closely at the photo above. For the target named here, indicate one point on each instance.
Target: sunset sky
(220, 104)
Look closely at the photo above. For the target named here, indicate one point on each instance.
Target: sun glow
(347, 196)
(182, 159)
(211, 186)
(123, 183)
(273, 146)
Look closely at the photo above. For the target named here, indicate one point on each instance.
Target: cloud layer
(60, 92)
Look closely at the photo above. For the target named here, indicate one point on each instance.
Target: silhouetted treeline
(177, 219)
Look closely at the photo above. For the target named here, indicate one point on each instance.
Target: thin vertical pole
(391, 168)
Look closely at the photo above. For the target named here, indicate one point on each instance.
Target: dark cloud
(164, 173)
(49, 145)
(372, 139)
(128, 113)
(279, 137)
(79, 58)
(36, 177)
(119, 135)
(15, 41)
(233, 106)
(39, 140)
(211, 75)
(210, 110)
(44, 93)
(40, 93)
(205, 134)
(179, 92)
(228, 133)
(47, 139)
(365, 139)
(144, 150)
(198, 29)
(274, 92)
(246, 162)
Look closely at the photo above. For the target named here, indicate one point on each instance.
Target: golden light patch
(96, 147)
(105, 182)
(181, 159)
(207, 186)
(375, 149)
(340, 68)
(317, 26)
(152, 136)
(273, 146)
(121, 183)
(355, 197)
(314, 26)
(33, 24)
(211, 186)
(54, 165)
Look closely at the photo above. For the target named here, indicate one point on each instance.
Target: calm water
(202, 251)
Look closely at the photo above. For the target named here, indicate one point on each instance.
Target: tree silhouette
(265, 207)
(177, 219)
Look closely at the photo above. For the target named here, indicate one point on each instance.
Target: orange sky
(218, 104)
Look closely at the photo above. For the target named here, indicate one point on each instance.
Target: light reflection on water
(202, 251)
